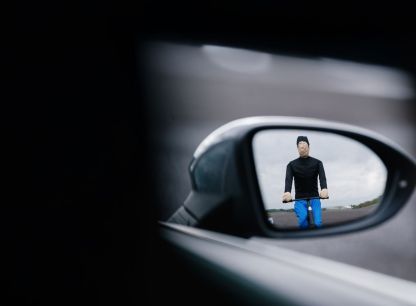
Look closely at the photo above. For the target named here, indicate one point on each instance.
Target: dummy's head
(303, 146)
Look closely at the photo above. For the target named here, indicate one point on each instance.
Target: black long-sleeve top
(305, 171)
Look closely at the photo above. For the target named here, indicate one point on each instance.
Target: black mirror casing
(225, 192)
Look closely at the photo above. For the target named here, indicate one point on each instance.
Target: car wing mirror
(295, 177)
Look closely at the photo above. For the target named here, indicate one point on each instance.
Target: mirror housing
(225, 194)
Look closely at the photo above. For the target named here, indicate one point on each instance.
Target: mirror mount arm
(199, 208)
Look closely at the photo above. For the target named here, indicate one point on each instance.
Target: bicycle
(311, 222)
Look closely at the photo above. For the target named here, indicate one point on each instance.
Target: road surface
(283, 219)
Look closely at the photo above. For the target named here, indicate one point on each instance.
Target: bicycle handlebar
(305, 199)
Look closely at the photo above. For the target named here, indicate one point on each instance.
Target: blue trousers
(301, 210)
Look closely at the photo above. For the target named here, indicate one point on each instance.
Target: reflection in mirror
(312, 179)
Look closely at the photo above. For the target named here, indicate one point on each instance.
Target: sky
(354, 173)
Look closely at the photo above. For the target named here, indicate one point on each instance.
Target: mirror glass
(311, 179)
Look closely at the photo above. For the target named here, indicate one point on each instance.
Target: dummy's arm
(322, 181)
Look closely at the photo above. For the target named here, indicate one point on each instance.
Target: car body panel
(267, 273)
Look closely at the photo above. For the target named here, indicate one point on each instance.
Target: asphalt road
(190, 103)
(287, 219)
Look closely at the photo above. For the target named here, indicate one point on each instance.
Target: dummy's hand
(287, 197)
(323, 193)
